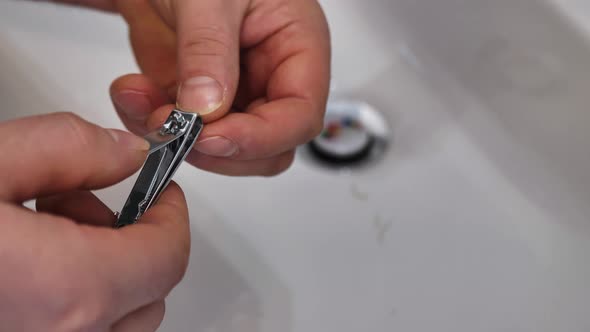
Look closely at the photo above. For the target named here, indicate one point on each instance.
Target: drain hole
(354, 134)
(334, 157)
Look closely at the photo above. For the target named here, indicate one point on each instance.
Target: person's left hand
(257, 71)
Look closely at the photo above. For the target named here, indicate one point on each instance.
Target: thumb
(208, 35)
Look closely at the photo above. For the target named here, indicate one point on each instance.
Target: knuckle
(313, 129)
(67, 288)
(280, 164)
(160, 311)
(314, 118)
(184, 249)
(316, 127)
(166, 8)
(152, 316)
(78, 317)
(73, 129)
(207, 41)
(74, 313)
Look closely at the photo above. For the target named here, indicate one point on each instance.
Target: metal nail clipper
(169, 146)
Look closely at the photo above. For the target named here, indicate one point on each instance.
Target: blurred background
(449, 192)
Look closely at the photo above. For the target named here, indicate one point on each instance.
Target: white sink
(476, 220)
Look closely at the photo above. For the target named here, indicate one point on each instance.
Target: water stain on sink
(228, 287)
(244, 316)
(382, 228)
(358, 194)
(393, 313)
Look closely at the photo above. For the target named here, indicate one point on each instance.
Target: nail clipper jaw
(169, 147)
(176, 123)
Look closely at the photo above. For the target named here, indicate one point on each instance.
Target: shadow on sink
(227, 286)
(527, 65)
(19, 84)
(513, 75)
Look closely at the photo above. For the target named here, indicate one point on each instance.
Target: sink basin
(477, 218)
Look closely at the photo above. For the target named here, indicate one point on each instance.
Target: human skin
(258, 72)
(64, 267)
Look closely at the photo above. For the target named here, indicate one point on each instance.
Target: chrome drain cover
(354, 134)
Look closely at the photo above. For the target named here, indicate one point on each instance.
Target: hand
(257, 70)
(64, 268)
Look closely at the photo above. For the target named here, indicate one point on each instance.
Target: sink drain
(354, 134)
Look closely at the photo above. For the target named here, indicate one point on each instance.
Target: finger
(135, 97)
(80, 206)
(247, 137)
(288, 68)
(288, 65)
(208, 55)
(288, 51)
(250, 136)
(143, 262)
(263, 131)
(145, 319)
(263, 167)
(45, 258)
(120, 270)
(226, 166)
(153, 43)
(61, 152)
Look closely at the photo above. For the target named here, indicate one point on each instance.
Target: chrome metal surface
(476, 219)
(355, 134)
(168, 149)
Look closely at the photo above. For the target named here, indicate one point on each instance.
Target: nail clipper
(169, 146)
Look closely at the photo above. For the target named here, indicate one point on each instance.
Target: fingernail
(217, 146)
(200, 94)
(135, 105)
(129, 140)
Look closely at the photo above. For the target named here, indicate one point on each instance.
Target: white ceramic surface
(477, 220)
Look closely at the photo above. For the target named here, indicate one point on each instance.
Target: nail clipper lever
(169, 146)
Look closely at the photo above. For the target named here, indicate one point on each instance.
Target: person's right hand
(64, 268)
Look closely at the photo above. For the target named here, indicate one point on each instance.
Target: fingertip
(129, 140)
(142, 84)
(135, 97)
(210, 111)
(263, 167)
(208, 56)
(170, 209)
(201, 94)
(171, 218)
(214, 115)
(174, 195)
